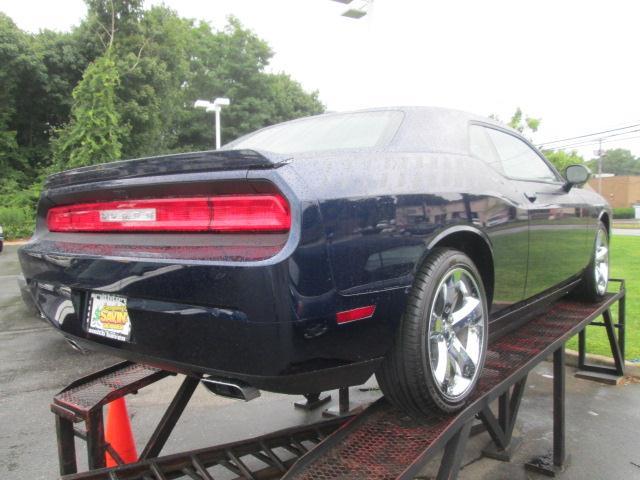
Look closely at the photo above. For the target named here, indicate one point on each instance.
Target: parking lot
(35, 362)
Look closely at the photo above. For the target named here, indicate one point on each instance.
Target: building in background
(620, 191)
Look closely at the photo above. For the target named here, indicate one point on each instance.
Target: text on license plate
(108, 317)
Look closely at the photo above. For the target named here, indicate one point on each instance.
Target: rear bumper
(314, 380)
(256, 323)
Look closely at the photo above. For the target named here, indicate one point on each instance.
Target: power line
(589, 134)
(596, 141)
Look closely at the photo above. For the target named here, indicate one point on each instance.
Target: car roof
(423, 128)
(435, 129)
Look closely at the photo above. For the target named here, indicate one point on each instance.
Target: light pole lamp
(215, 107)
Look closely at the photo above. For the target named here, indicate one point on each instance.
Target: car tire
(595, 277)
(455, 320)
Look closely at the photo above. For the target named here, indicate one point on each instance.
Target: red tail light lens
(233, 213)
(356, 314)
(258, 213)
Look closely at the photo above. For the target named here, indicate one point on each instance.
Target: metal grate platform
(83, 400)
(99, 389)
(382, 443)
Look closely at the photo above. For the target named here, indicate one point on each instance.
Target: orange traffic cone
(118, 433)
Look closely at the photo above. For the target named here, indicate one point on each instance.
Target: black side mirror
(575, 175)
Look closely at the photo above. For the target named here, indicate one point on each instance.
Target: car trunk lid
(192, 162)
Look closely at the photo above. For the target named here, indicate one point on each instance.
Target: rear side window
(509, 155)
(328, 132)
(482, 147)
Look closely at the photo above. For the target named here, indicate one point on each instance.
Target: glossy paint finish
(262, 308)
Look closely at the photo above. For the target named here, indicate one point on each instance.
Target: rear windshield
(327, 132)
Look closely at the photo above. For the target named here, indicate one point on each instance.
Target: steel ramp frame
(382, 443)
(379, 443)
(613, 374)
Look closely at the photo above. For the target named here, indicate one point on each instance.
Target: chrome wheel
(456, 333)
(601, 263)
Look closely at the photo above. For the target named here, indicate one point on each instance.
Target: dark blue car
(311, 254)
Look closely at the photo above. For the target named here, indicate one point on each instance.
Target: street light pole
(217, 112)
(215, 107)
(600, 166)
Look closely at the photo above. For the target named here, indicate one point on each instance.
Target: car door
(505, 219)
(557, 221)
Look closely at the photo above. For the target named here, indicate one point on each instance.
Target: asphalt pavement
(35, 362)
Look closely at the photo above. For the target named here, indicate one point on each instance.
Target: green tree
(64, 56)
(289, 100)
(521, 123)
(162, 63)
(231, 63)
(94, 133)
(21, 81)
(561, 159)
(617, 161)
(154, 65)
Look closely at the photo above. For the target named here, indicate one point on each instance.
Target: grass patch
(625, 264)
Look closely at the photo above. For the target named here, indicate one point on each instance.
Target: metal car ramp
(381, 442)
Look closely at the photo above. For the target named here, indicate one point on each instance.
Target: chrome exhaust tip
(230, 388)
(75, 346)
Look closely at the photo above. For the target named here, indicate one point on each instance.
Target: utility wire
(589, 135)
(596, 141)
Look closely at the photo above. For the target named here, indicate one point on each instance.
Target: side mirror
(575, 175)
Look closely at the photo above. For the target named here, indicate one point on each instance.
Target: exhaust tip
(230, 388)
(75, 346)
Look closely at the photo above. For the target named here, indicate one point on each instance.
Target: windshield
(327, 132)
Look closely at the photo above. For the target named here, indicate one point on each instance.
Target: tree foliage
(521, 123)
(20, 75)
(561, 159)
(94, 133)
(617, 161)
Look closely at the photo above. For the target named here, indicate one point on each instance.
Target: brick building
(620, 191)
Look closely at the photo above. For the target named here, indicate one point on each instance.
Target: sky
(572, 63)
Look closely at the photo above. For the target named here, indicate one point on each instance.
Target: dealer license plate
(108, 317)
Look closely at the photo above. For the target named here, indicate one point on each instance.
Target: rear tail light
(233, 213)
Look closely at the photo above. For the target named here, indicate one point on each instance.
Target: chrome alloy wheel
(601, 263)
(456, 333)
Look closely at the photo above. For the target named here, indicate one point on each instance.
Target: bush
(17, 222)
(624, 213)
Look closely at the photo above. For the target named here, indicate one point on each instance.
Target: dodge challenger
(311, 254)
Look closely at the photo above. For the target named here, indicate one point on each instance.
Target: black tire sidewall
(450, 260)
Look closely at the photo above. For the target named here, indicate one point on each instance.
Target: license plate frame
(108, 316)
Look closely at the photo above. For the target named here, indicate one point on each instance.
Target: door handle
(532, 197)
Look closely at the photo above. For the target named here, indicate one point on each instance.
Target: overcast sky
(573, 63)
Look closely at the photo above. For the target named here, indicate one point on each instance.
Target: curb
(630, 369)
(15, 242)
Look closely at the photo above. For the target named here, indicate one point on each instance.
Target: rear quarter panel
(382, 212)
